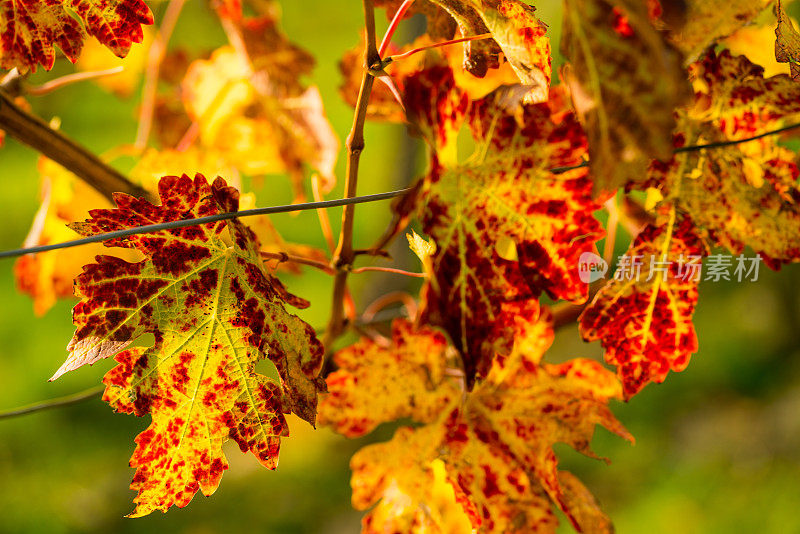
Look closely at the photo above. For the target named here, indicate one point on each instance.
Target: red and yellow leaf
(30, 30)
(214, 312)
(626, 81)
(787, 42)
(643, 317)
(415, 381)
(708, 21)
(48, 276)
(406, 486)
(506, 227)
(494, 445)
(746, 194)
(261, 120)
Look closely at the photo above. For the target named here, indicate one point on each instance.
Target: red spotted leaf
(415, 385)
(518, 37)
(787, 42)
(493, 445)
(214, 313)
(506, 227)
(31, 29)
(626, 81)
(643, 317)
(744, 194)
(707, 21)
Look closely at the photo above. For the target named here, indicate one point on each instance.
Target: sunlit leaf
(626, 81)
(30, 31)
(643, 316)
(506, 227)
(787, 43)
(745, 194)
(214, 313)
(494, 447)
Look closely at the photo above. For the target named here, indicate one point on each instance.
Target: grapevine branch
(34, 132)
(345, 255)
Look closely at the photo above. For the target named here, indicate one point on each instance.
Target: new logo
(591, 267)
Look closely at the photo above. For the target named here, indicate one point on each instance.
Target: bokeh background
(717, 445)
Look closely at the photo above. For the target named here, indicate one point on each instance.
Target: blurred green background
(717, 446)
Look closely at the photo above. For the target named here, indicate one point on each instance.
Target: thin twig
(154, 59)
(322, 215)
(60, 402)
(611, 229)
(355, 145)
(150, 228)
(398, 16)
(567, 313)
(34, 132)
(283, 257)
(439, 45)
(63, 81)
(390, 270)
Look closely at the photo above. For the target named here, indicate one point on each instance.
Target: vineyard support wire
(150, 228)
(323, 204)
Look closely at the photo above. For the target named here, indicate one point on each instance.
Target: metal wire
(150, 228)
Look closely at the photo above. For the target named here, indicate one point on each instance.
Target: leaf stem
(283, 257)
(63, 81)
(390, 270)
(439, 45)
(34, 132)
(398, 16)
(355, 145)
(155, 57)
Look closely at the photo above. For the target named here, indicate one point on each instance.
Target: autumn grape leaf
(384, 106)
(787, 42)
(214, 312)
(755, 42)
(95, 57)
(493, 445)
(415, 383)
(643, 316)
(515, 29)
(413, 493)
(625, 81)
(746, 194)
(506, 227)
(708, 21)
(48, 276)
(30, 31)
(263, 123)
